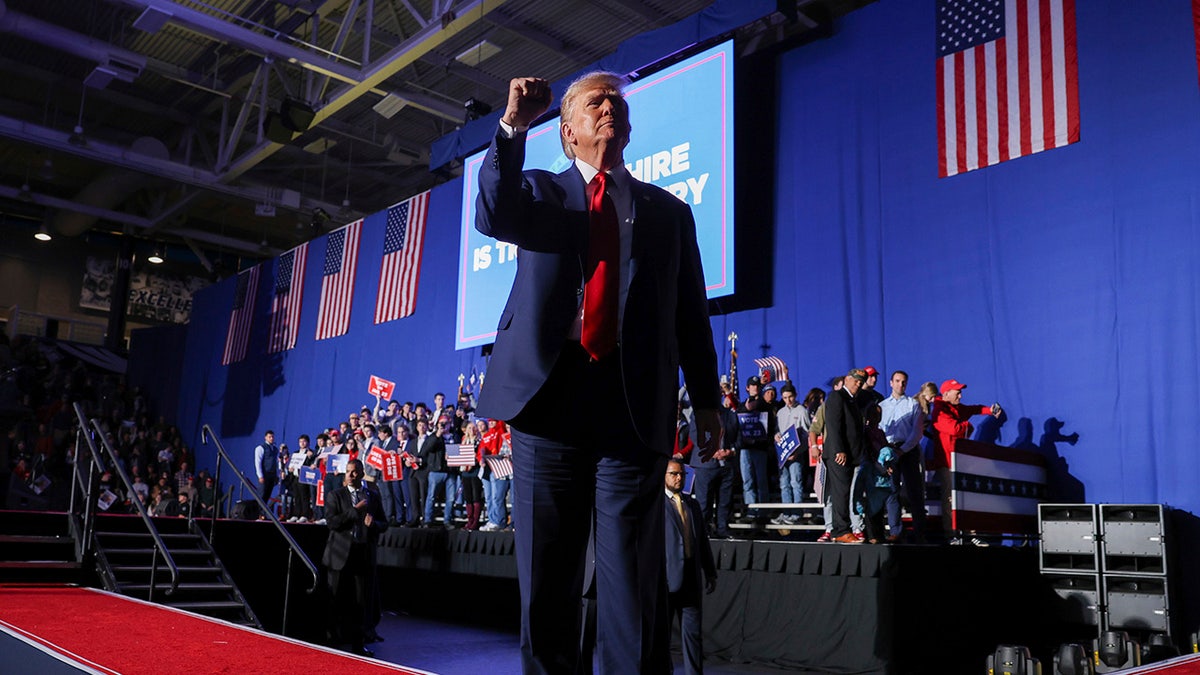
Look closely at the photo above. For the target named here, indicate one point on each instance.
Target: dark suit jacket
(664, 324)
(702, 558)
(341, 518)
(844, 430)
(432, 453)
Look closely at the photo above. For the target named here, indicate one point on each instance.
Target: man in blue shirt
(266, 465)
(903, 423)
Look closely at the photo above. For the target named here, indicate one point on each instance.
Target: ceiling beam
(424, 41)
(106, 153)
(263, 45)
(49, 201)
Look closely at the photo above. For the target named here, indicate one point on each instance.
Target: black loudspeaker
(296, 115)
(1072, 659)
(1137, 603)
(275, 131)
(247, 509)
(1012, 660)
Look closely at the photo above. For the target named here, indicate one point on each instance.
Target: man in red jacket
(951, 420)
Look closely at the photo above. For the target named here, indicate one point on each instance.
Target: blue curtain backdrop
(1063, 284)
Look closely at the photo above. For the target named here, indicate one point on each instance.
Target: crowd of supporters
(417, 455)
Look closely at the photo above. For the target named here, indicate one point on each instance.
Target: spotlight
(77, 138)
(43, 234)
(156, 258)
(1072, 659)
(1012, 660)
(476, 109)
(1114, 650)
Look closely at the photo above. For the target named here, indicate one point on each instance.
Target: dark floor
(450, 649)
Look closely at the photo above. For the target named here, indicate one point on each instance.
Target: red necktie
(599, 330)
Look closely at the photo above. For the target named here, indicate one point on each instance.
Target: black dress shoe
(361, 651)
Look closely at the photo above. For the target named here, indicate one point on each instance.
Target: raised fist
(528, 99)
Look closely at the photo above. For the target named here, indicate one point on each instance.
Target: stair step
(183, 569)
(35, 539)
(202, 605)
(39, 565)
(216, 586)
(166, 536)
(147, 551)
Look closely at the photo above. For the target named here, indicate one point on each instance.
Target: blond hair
(597, 78)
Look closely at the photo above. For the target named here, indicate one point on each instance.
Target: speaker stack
(1109, 564)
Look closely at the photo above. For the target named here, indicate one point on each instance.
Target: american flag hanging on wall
(289, 293)
(337, 281)
(241, 317)
(1007, 80)
(403, 239)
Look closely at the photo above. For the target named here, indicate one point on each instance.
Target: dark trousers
(685, 612)
(268, 486)
(837, 489)
(567, 472)
(715, 484)
(350, 588)
(912, 487)
(418, 487)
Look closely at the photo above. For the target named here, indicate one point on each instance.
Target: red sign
(381, 387)
(320, 493)
(375, 458)
(391, 467)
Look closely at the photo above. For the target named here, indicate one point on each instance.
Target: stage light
(1072, 659)
(476, 109)
(43, 234)
(1114, 651)
(1012, 660)
(1158, 647)
(156, 257)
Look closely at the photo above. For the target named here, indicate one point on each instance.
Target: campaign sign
(375, 458)
(296, 461)
(682, 141)
(309, 475)
(753, 426)
(320, 493)
(789, 442)
(337, 463)
(381, 387)
(391, 467)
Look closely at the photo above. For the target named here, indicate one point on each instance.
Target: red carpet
(1184, 665)
(114, 634)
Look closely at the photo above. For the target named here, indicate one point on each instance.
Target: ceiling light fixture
(156, 257)
(42, 234)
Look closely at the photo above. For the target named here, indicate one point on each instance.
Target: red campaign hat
(951, 385)
(871, 371)
(334, 433)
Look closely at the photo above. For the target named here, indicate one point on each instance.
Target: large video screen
(682, 141)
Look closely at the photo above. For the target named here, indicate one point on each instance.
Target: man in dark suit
(689, 556)
(355, 519)
(845, 444)
(608, 304)
(431, 453)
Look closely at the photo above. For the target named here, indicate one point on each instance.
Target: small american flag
(1007, 80)
(501, 466)
(240, 318)
(289, 292)
(337, 281)
(402, 242)
(460, 455)
(771, 368)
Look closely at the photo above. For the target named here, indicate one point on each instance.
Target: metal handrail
(141, 508)
(294, 549)
(89, 501)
